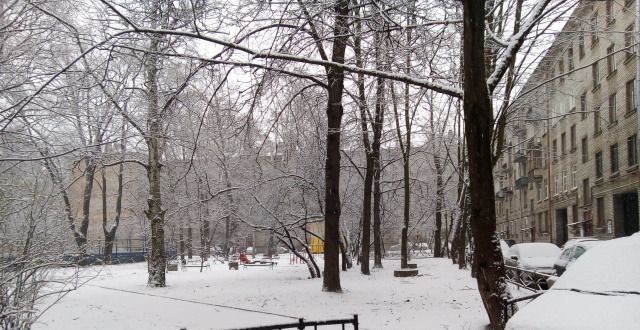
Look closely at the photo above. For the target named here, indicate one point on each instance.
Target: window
(611, 59)
(570, 58)
(632, 151)
(581, 45)
(599, 164)
(563, 143)
(574, 181)
(594, 29)
(600, 212)
(609, 6)
(561, 69)
(597, 129)
(586, 196)
(538, 191)
(579, 250)
(572, 137)
(546, 188)
(613, 117)
(630, 96)
(583, 105)
(555, 149)
(555, 185)
(585, 150)
(613, 155)
(595, 74)
(564, 180)
(628, 41)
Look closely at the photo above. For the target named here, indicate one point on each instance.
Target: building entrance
(625, 214)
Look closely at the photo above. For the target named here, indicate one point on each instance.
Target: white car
(601, 290)
(537, 257)
(571, 253)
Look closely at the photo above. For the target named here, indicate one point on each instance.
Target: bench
(195, 263)
(270, 264)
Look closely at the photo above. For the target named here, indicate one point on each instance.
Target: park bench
(195, 263)
(269, 264)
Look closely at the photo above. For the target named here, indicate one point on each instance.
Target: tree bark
(155, 213)
(110, 233)
(489, 266)
(368, 177)
(375, 155)
(335, 79)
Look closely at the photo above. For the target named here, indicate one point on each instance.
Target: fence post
(355, 321)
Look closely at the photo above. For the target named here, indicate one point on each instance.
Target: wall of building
(589, 156)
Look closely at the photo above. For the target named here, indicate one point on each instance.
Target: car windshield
(610, 267)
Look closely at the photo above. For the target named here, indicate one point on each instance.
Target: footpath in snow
(442, 297)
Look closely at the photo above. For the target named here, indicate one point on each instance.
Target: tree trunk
(437, 249)
(335, 79)
(488, 263)
(155, 213)
(375, 150)
(110, 233)
(181, 248)
(189, 243)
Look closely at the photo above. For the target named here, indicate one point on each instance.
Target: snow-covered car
(537, 257)
(601, 290)
(571, 253)
(575, 241)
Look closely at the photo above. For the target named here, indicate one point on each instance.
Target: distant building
(570, 164)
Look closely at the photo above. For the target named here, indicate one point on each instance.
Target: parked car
(577, 240)
(509, 242)
(537, 257)
(600, 290)
(571, 253)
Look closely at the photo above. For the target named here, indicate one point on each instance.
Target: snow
(537, 256)
(442, 297)
(621, 255)
(597, 292)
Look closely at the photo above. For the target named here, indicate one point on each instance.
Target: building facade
(570, 164)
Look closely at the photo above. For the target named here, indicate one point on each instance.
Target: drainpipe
(549, 206)
(637, 82)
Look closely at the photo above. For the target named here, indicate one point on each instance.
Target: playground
(116, 297)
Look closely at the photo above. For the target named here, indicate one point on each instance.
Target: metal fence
(302, 324)
(527, 279)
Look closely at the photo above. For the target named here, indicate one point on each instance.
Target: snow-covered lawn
(442, 297)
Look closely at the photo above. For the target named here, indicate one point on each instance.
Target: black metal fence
(124, 251)
(527, 279)
(302, 324)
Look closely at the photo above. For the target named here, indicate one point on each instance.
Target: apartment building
(570, 165)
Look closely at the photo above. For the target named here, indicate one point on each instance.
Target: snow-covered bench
(196, 263)
(270, 264)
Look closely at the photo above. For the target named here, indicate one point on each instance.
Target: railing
(302, 324)
(530, 280)
(527, 279)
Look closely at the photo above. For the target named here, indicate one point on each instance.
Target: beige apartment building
(570, 165)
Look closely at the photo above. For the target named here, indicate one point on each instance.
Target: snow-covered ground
(442, 297)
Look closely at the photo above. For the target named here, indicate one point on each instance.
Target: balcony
(519, 156)
(500, 194)
(536, 174)
(520, 131)
(507, 191)
(522, 182)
